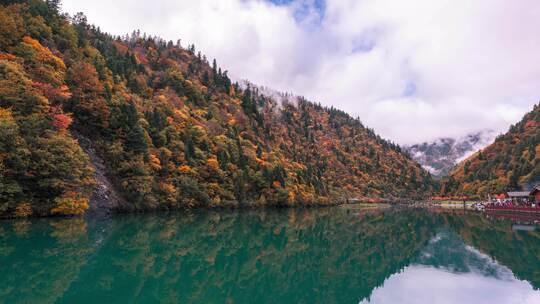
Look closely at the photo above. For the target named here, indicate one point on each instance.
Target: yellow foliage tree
(71, 203)
(184, 169)
(41, 63)
(213, 164)
(23, 210)
(169, 192)
(155, 163)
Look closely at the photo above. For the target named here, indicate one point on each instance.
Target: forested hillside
(512, 162)
(173, 130)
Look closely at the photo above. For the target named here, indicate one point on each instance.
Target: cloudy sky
(413, 70)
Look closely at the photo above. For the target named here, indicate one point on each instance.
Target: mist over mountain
(440, 156)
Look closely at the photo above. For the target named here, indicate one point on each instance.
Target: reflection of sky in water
(421, 284)
(470, 277)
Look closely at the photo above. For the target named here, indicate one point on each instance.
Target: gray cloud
(413, 70)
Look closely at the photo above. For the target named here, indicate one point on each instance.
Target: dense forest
(172, 129)
(512, 162)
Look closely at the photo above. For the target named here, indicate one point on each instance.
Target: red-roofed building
(536, 193)
(500, 196)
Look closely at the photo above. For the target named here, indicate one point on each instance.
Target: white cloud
(413, 70)
(422, 284)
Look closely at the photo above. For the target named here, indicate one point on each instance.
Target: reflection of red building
(517, 218)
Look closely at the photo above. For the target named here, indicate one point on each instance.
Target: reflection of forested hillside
(40, 259)
(448, 251)
(273, 256)
(517, 250)
(288, 256)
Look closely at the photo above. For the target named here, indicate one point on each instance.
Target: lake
(327, 255)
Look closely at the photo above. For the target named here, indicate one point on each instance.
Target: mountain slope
(511, 162)
(172, 129)
(440, 156)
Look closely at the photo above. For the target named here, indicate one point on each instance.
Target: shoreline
(370, 202)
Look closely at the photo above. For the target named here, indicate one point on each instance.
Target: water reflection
(422, 284)
(449, 271)
(274, 256)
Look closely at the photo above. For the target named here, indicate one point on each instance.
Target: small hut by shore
(519, 196)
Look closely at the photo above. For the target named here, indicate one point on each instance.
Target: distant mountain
(440, 156)
(511, 162)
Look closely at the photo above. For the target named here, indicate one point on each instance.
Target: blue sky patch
(410, 89)
(304, 8)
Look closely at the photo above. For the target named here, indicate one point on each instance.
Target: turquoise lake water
(329, 255)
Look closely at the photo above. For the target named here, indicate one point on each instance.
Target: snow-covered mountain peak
(441, 155)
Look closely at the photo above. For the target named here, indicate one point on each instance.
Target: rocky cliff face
(105, 198)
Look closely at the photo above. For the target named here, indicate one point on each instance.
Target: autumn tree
(87, 101)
